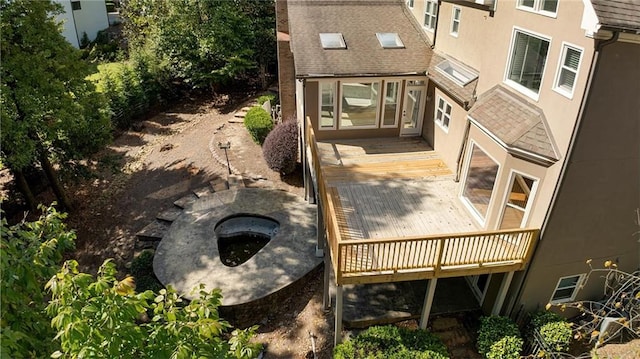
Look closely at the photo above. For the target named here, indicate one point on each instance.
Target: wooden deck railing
(418, 257)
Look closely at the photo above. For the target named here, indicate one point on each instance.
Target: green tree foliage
(30, 253)
(106, 318)
(203, 43)
(49, 111)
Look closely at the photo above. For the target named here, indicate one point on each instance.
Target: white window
(455, 21)
(527, 62)
(568, 70)
(410, 3)
(443, 114)
(430, 14)
(328, 106)
(477, 190)
(359, 104)
(567, 288)
(391, 104)
(545, 7)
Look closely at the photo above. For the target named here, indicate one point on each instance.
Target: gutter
(355, 74)
(583, 104)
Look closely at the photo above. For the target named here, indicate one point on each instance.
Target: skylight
(389, 40)
(456, 72)
(332, 40)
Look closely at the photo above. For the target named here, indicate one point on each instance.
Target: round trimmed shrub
(553, 329)
(391, 342)
(506, 348)
(258, 123)
(492, 330)
(280, 148)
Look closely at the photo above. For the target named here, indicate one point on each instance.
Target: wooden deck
(391, 212)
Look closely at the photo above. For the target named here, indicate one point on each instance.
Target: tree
(617, 314)
(50, 113)
(105, 318)
(205, 43)
(30, 253)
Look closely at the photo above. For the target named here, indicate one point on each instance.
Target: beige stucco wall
(448, 143)
(595, 212)
(418, 13)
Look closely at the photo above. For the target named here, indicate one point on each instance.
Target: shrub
(508, 347)
(258, 123)
(280, 148)
(392, 342)
(272, 98)
(492, 330)
(557, 335)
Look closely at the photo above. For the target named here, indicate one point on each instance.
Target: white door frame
(417, 131)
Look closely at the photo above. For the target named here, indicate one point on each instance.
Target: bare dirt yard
(164, 158)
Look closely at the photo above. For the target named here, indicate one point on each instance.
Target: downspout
(583, 104)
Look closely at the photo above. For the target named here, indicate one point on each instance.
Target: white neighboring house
(79, 17)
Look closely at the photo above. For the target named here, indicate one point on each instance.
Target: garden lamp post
(225, 147)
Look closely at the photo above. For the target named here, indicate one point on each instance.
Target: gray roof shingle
(619, 14)
(358, 21)
(514, 121)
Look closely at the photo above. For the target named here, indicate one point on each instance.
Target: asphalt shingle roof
(619, 14)
(515, 122)
(358, 21)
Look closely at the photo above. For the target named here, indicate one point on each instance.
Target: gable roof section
(521, 127)
(358, 21)
(618, 14)
(464, 95)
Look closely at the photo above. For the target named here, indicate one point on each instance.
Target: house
(82, 17)
(495, 140)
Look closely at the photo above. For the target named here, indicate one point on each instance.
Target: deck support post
(428, 300)
(322, 232)
(338, 315)
(326, 300)
(502, 293)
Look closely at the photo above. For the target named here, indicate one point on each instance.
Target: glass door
(413, 110)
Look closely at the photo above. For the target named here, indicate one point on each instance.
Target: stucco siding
(595, 211)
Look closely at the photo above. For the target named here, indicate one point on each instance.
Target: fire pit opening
(241, 236)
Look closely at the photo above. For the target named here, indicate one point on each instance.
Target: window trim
(454, 20)
(384, 103)
(335, 105)
(537, 8)
(434, 15)
(76, 5)
(440, 123)
(563, 53)
(516, 86)
(532, 195)
(340, 94)
(410, 4)
(465, 201)
(579, 283)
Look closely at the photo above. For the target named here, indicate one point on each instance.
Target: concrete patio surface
(188, 254)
